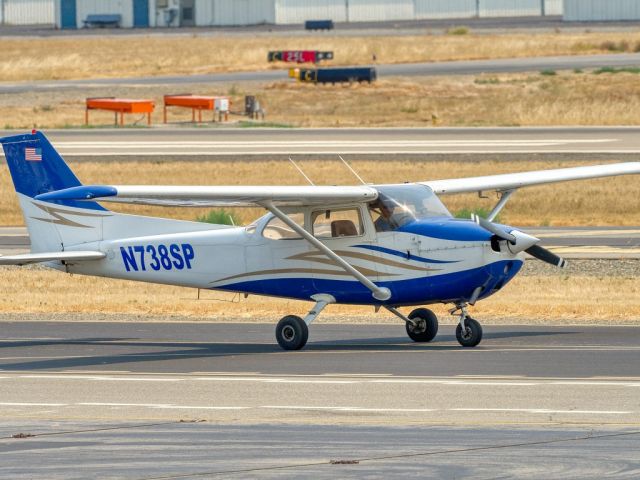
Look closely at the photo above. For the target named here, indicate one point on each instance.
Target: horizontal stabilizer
(71, 257)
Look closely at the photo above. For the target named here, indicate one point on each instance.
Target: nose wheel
(468, 331)
(471, 334)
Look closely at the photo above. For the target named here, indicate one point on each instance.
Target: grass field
(591, 202)
(567, 98)
(581, 299)
(90, 57)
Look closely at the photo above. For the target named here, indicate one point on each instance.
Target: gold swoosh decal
(310, 256)
(58, 219)
(300, 270)
(328, 261)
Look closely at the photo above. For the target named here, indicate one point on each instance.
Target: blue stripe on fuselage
(444, 288)
(403, 254)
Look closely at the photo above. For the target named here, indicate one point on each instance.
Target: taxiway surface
(466, 67)
(191, 400)
(466, 143)
(236, 372)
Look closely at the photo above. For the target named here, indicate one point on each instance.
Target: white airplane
(388, 246)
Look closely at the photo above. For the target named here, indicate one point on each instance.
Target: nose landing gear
(468, 331)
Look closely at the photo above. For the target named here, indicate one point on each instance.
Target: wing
(512, 181)
(70, 257)
(212, 196)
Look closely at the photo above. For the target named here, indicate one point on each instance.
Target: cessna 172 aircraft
(388, 246)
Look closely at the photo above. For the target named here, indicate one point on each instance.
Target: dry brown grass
(592, 202)
(526, 299)
(90, 57)
(509, 99)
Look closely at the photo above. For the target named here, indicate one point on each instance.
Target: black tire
(292, 333)
(427, 327)
(473, 334)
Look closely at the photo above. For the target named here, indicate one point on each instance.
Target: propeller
(518, 241)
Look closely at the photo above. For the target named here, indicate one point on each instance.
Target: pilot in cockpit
(388, 219)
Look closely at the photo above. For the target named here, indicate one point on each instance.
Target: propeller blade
(546, 256)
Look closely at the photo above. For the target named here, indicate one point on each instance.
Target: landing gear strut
(292, 332)
(468, 331)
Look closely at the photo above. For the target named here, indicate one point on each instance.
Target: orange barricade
(195, 102)
(121, 106)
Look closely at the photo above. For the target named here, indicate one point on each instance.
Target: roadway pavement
(173, 143)
(193, 400)
(463, 67)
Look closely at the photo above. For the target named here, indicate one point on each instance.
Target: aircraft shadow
(179, 351)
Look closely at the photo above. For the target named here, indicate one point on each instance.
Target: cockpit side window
(337, 223)
(276, 229)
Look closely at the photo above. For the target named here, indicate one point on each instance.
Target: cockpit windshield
(398, 205)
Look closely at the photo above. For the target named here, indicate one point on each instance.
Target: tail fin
(36, 167)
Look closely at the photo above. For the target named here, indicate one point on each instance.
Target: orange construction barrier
(199, 103)
(120, 106)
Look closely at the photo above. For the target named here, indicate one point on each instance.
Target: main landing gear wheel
(292, 333)
(426, 326)
(472, 333)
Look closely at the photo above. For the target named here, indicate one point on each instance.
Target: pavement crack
(356, 461)
(91, 430)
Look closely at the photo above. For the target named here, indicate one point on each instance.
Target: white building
(151, 13)
(601, 10)
(27, 12)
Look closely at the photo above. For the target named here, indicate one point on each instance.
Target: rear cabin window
(337, 223)
(276, 229)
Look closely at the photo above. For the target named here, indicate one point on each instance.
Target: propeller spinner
(518, 241)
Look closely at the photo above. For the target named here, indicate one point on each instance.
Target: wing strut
(504, 197)
(379, 293)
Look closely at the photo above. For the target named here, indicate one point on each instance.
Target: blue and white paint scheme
(388, 246)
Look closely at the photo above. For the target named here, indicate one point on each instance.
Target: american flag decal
(33, 154)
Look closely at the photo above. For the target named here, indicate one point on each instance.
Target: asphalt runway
(463, 67)
(172, 450)
(518, 374)
(171, 143)
(192, 400)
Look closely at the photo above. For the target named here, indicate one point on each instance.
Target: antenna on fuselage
(352, 170)
(301, 172)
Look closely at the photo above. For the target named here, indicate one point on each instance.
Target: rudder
(36, 167)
